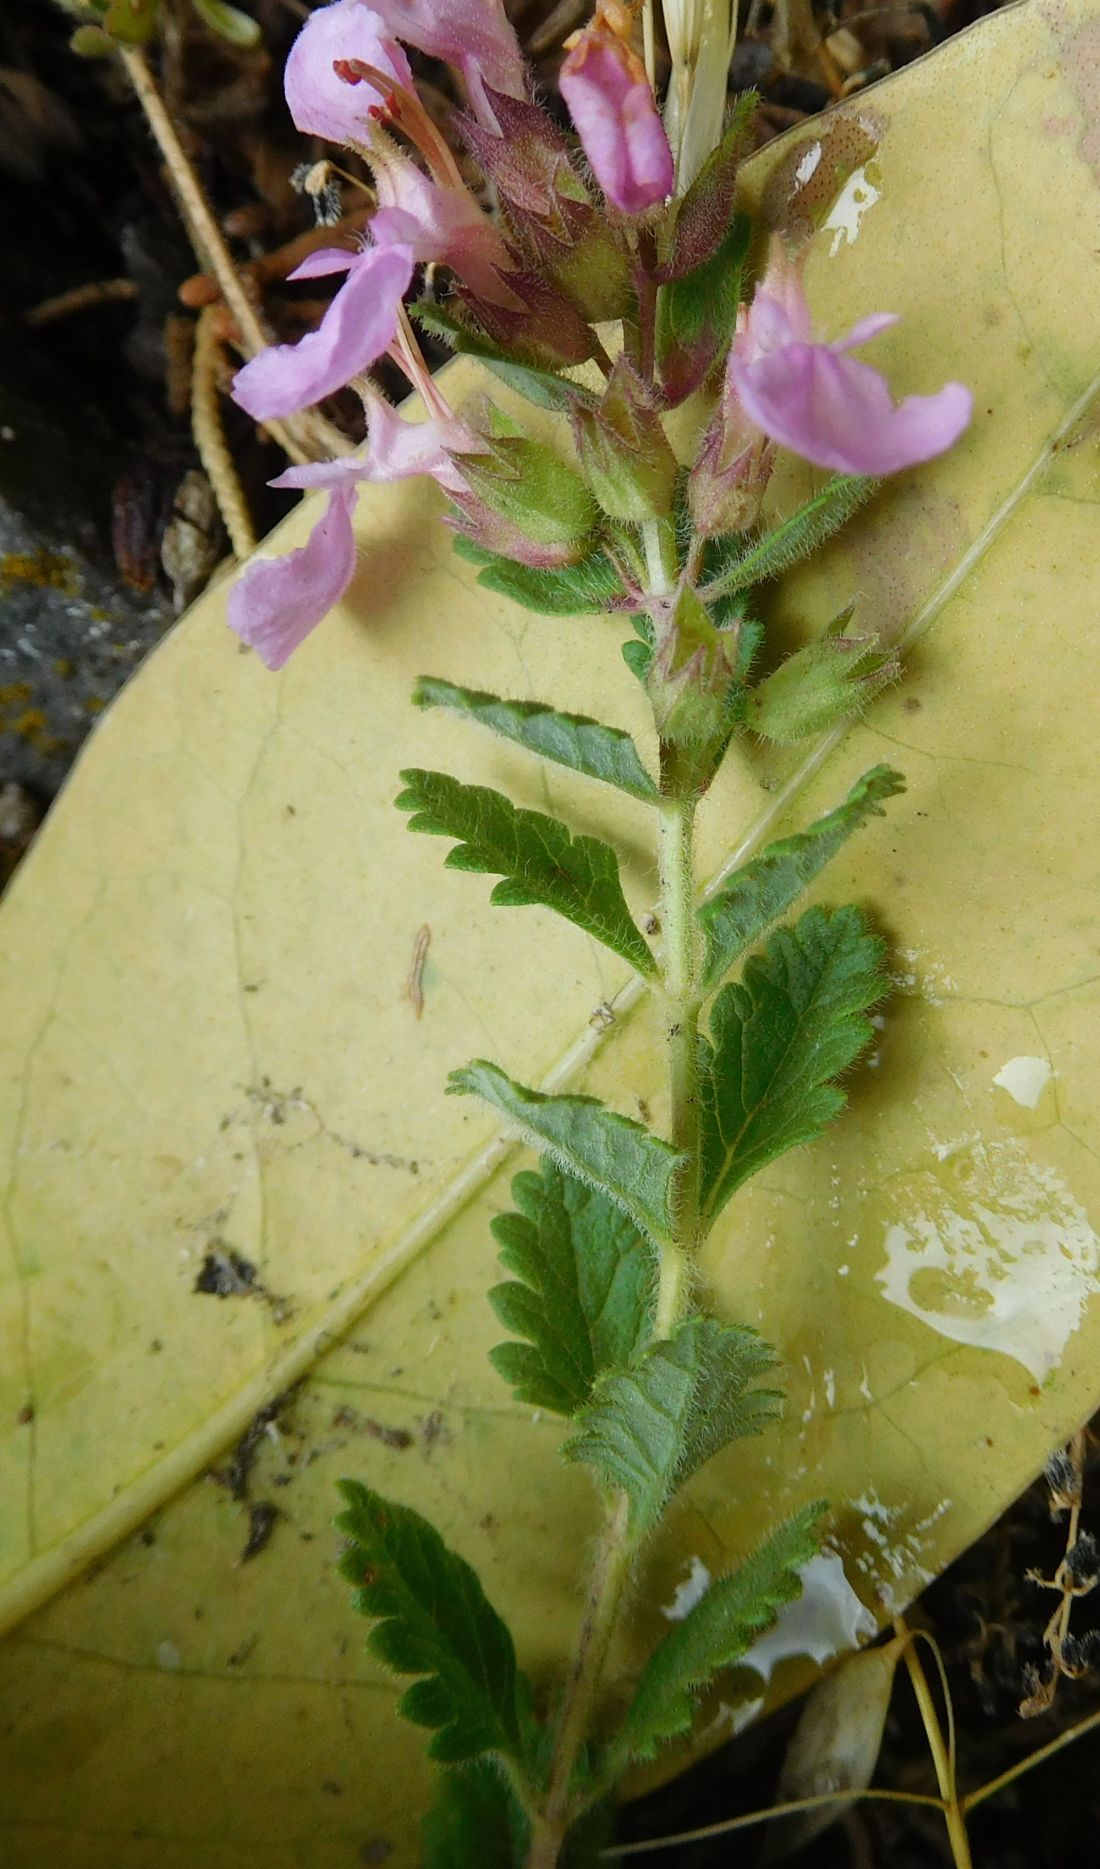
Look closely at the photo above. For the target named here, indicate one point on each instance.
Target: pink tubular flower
(605, 86)
(276, 602)
(816, 400)
(320, 102)
(356, 329)
(442, 223)
(473, 35)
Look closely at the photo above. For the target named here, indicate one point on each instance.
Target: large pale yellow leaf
(210, 1045)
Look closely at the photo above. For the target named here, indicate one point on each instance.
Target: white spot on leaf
(1025, 1080)
(1000, 1256)
(691, 1591)
(849, 208)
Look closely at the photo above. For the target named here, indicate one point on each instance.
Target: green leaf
(228, 22)
(718, 1632)
(545, 388)
(606, 1150)
(432, 1618)
(735, 569)
(779, 1039)
(572, 740)
(571, 590)
(764, 889)
(649, 1427)
(584, 1300)
(537, 857)
(473, 1818)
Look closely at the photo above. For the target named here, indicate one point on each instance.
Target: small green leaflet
(760, 892)
(649, 1427)
(608, 1151)
(228, 21)
(734, 569)
(716, 1633)
(779, 1039)
(583, 1297)
(568, 739)
(571, 590)
(432, 1618)
(537, 857)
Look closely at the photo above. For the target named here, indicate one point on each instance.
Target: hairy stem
(681, 982)
(610, 1575)
(611, 1570)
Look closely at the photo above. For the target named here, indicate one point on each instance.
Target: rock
(70, 631)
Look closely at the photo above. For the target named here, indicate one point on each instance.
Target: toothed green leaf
(536, 856)
(717, 1632)
(765, 888)
(606, 1150)
(779, 1038)
(571, 740)
(432, 1619)
(732, 568)
(650, 1426)
(571, 590)
(583, 1297)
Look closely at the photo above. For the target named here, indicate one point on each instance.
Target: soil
(106, 532)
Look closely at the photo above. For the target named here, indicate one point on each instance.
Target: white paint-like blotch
(1025, 1080)
(1002, 1258)
(687, 1594)
(826, 1620)
(168, 1656)
(808, 164)
(849, 208)
(896, 1546)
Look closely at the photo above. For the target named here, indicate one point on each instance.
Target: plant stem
(610, 1575)
(943, 1755)
(611, 1571)
(677, 873)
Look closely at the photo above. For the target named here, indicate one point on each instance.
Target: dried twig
(78, 299)
(206, 426)
(1077, 1575)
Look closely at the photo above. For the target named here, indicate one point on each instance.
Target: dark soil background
(108, 528)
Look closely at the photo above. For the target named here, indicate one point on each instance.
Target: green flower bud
(821, 685)
(625, 452)
(536, 492)
(691, 684)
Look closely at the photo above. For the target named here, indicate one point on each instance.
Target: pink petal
(839, 413)
(397, 450)
(324, 261)
(865, 329)
(442, 224)
(473, 35)
(276, 602)
(355, 330)
(322, 104)
(608, 94)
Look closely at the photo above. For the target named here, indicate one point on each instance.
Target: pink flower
(323, 104)
(473, 35)
(816, 400)
(276, 602)
(442, 223)
(356, 329)
(608, 94)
